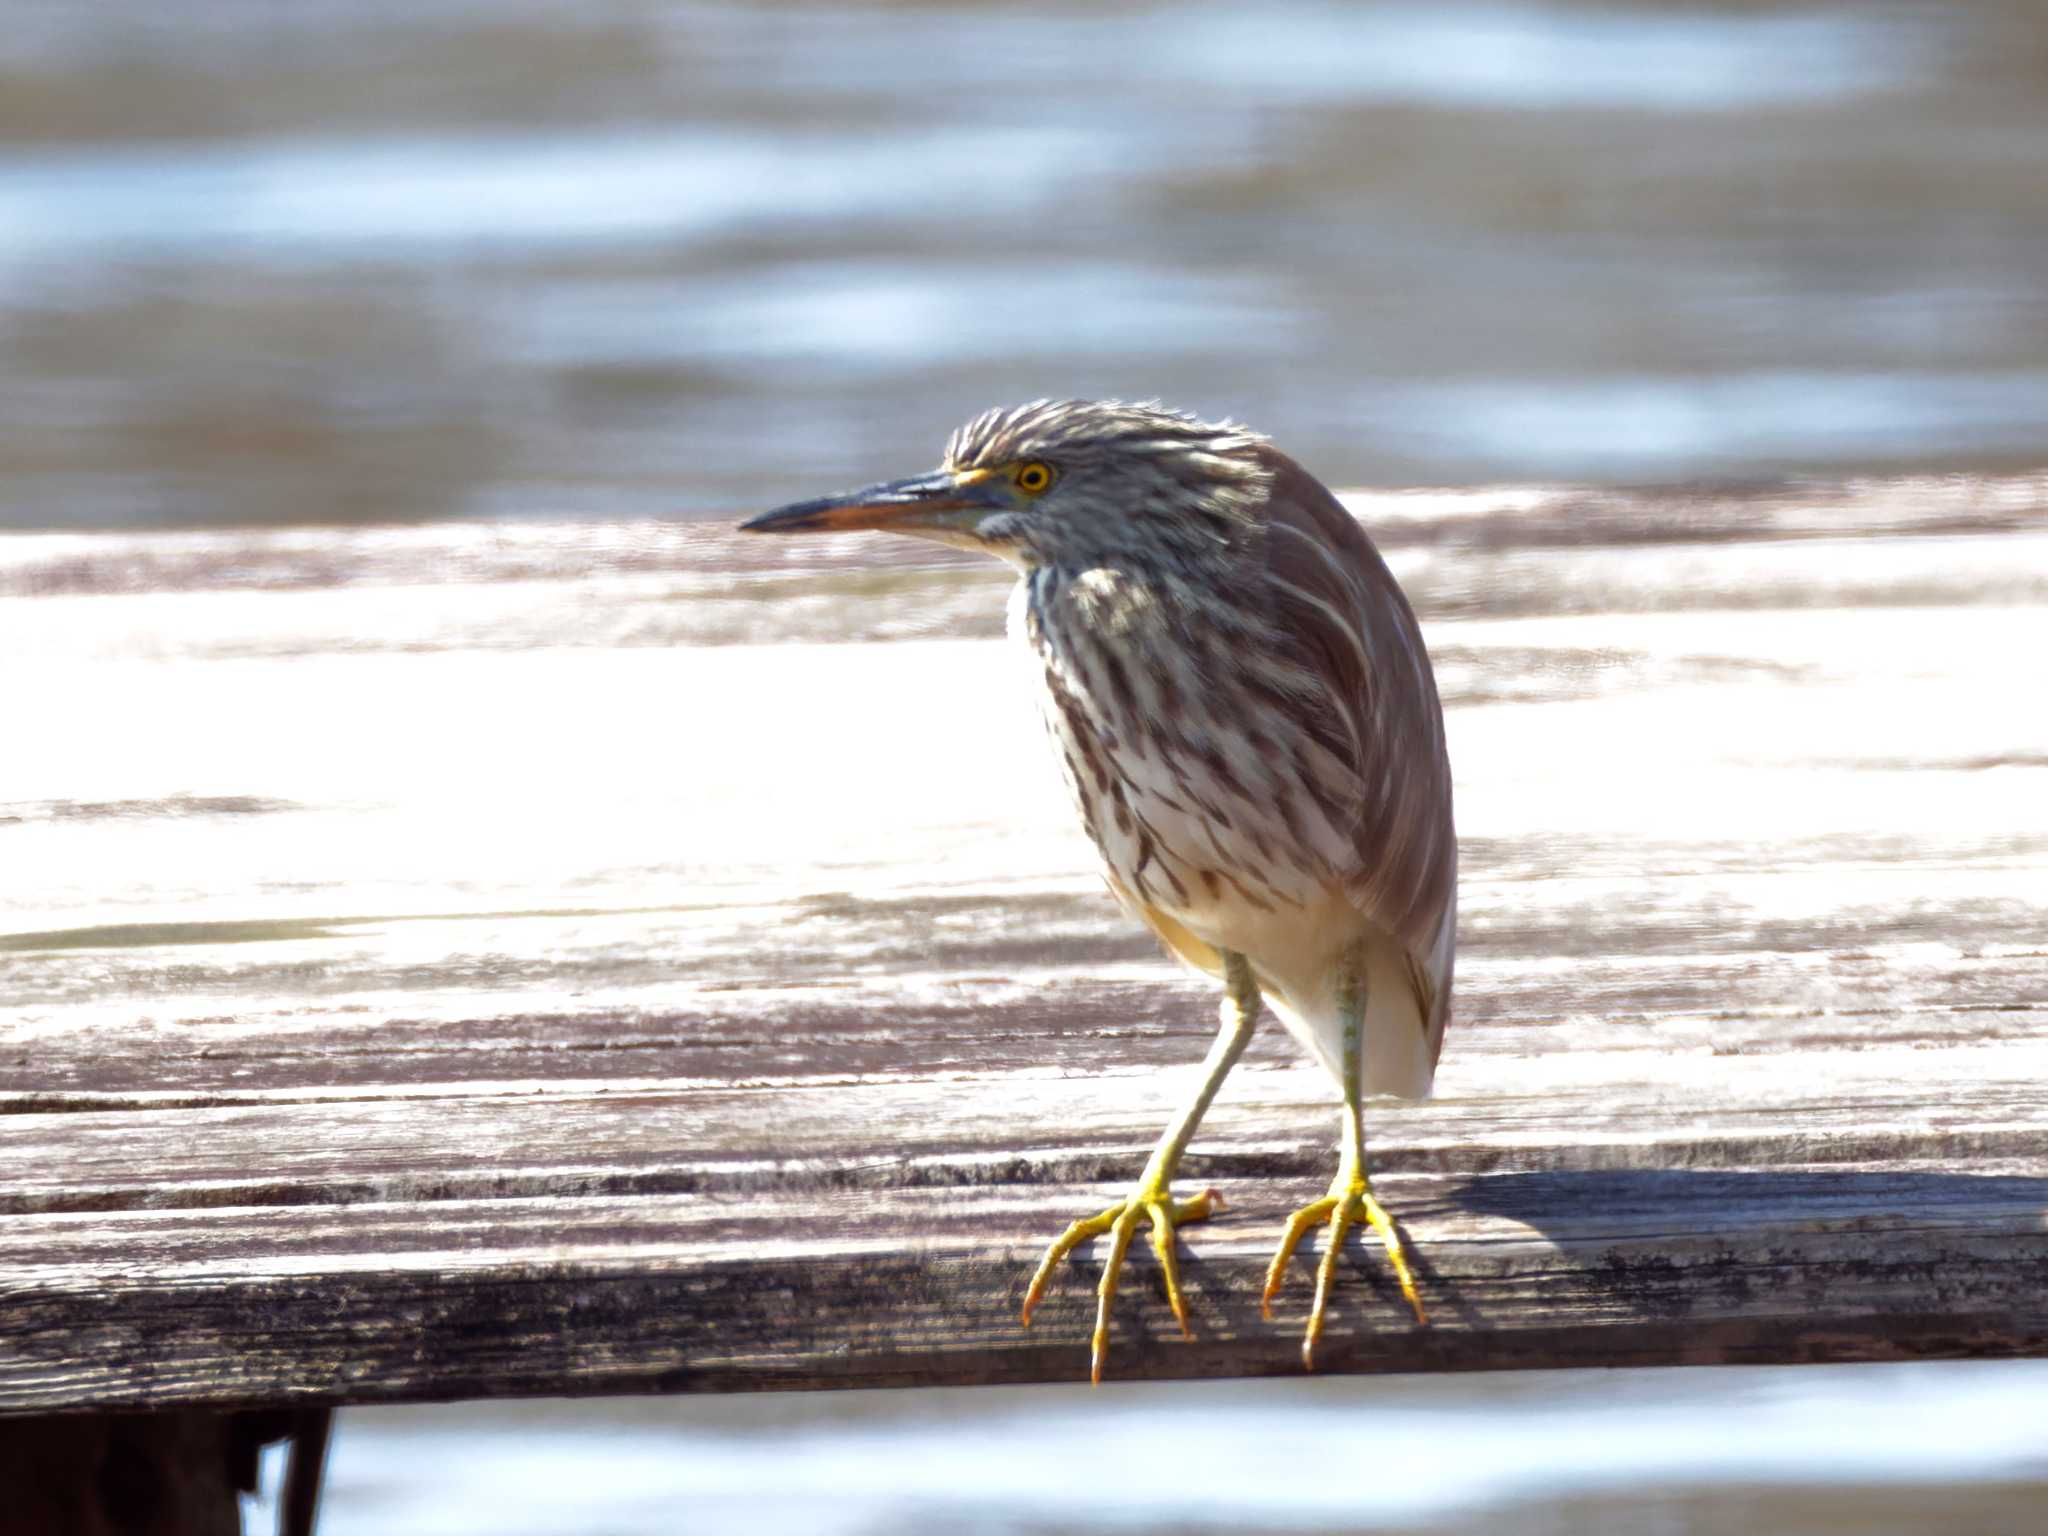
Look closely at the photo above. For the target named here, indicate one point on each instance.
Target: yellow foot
(1348, 1203)
(1149, 1203)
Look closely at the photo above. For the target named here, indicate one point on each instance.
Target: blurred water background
(1883, 1450)
(346, 260)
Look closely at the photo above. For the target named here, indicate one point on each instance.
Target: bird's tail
(1405, 1010)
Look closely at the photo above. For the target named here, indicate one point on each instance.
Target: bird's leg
(1350, 1200)
(1149, 1199)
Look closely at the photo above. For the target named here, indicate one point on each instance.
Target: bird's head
(1064, 482)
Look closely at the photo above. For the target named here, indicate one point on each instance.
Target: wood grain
(566, 959)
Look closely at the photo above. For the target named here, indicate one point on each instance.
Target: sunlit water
(306, 263)
(1693, 1450)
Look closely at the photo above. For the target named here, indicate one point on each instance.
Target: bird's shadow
(1606, 1209)
(1575, 1205)
(1616, 1207)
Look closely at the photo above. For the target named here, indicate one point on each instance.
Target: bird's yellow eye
(1033, 476)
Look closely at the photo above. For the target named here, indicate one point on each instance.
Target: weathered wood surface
(468, 961)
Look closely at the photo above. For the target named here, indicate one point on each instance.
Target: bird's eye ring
(1033, 476)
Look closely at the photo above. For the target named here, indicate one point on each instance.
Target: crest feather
(1051, 427)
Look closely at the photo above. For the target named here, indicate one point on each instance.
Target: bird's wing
(1339, 609)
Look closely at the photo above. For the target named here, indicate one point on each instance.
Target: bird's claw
(1349, 1203)
(1151, 1204)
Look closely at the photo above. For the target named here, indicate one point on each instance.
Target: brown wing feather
(1337, 602)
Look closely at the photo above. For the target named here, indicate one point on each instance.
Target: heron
(1240, 699)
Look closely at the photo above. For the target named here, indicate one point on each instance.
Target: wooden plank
(818, 1287)
(473, 961)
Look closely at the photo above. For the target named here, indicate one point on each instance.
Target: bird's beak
(939, 504)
